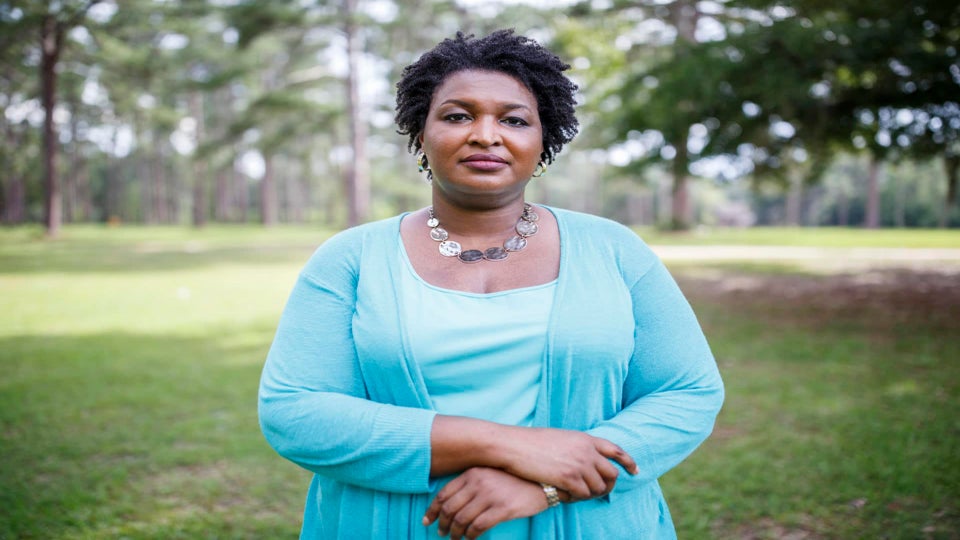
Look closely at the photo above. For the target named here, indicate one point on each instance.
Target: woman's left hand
(481, 497)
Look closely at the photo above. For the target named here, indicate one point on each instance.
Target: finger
(574, 483)
(596, 483)
(614, 452)
(609, 473)
(450, 508)
(436, 505)
(566, 497)
(483, 523)
(462, 506)
(433, 511)
(464, 518)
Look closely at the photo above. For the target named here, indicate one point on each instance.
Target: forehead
(479, 85)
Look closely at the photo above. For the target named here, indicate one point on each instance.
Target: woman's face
(482, 137)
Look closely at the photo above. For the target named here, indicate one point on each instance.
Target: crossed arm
(504, 466)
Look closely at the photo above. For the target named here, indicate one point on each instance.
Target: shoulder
(595, 238)
(594, 242)
(344, 250)
(589, 222)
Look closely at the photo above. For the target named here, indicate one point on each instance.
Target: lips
(484, 162)
(484, 157)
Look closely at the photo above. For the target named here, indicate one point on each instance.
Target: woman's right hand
(570, 460)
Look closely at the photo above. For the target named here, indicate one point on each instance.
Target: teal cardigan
(625, 360)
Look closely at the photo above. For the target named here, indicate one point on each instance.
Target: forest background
(743, 112)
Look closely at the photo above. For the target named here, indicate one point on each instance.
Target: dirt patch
(768, 529)
(878, 298)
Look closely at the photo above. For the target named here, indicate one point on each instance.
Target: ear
(420, 139)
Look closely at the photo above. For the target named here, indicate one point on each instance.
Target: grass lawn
(842, 417)
(826, 237)
(129, 362)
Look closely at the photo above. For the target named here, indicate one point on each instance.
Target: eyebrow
(469, 104)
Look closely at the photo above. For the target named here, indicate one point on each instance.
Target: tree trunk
(357, 178)
(872, 220)
(307, 188)
(221, 206)
(158, 195)
(684, 15)
(951, 165)
(113, 197)
(199, 168)
(592, 195)
(51, 39)
(13, 199)
(71, 183)
(843, 208)
(680, 193)
(899, 204)
(794, 199)
(242, 194)
(268, 194)
(295, 198)
(84, 196)
(145, 175)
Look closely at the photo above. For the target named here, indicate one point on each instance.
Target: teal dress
(488, 361)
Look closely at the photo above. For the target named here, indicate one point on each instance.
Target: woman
(486, 365)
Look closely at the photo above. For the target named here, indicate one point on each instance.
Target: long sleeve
(313, 404)
(673, 390)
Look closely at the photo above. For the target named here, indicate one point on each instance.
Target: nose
(485, 131)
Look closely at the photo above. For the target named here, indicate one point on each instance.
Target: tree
(20, 147)
(814, 78)
(50, 21)
(672, 39)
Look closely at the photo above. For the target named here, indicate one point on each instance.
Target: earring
(423, 165)
(540, 170)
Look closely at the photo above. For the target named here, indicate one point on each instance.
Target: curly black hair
(503, 51)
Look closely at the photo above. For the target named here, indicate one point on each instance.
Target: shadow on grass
(139, 436)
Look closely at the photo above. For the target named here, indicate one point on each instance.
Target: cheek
(434, 140)
(536, 149)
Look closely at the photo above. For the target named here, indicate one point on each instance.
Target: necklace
(526, 227)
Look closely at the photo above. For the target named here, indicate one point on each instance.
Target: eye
(515, 121)
(456, 117)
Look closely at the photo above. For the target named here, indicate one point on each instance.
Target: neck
(478, 222)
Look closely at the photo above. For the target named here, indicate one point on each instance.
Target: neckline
(560, 272)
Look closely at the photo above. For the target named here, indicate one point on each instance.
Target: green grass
(841, 419)
(129, 361)
(830, 237)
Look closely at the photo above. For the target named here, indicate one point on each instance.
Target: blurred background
(167, 167)
(732, 113)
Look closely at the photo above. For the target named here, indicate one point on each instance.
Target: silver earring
(540, 170)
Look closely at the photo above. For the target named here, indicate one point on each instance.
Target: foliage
(806, 78)
(219, 107)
